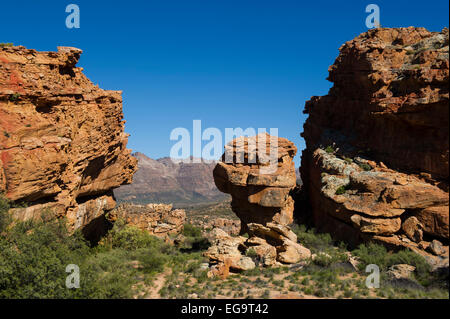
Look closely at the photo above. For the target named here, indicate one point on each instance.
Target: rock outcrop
(259, 174)
(376, 164)
(62, 139)
(260, 191)
(230, 226)
(160, 220)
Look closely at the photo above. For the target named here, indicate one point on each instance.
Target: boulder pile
(160, 220)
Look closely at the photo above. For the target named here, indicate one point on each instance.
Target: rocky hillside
(162, 180)
(376, 162)
(62, 139)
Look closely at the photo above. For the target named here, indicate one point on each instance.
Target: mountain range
(165, 181)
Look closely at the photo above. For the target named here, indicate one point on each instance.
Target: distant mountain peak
(163, 180)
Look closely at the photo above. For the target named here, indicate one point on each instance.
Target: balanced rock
(259, 173)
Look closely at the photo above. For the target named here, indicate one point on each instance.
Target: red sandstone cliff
(62, 140)
(376, 162)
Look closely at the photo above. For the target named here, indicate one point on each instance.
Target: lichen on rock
(376, 164)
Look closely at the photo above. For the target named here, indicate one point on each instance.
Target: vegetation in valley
(130, 263)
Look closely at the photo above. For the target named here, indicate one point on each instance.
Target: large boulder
(259, 173)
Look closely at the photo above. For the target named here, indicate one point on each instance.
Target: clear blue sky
(228, 63)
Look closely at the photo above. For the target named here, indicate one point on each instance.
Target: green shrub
(323, 260)
(194, 239)
(312, 240)
(190, 230)
(14, 97)
(34, 256)
(5, 45)
(365, 166)
(130, 238)
(340, 190)
(251, 253)
(4, 215)
(329, 149)
(33, 261)
(348, 160)
(372, 253)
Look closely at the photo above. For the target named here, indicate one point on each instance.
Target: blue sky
(228, 63)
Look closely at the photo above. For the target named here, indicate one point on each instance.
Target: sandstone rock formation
(62, 139)
(230, 226)
(226, 253)
(261, 199)
(376, 162)
(258, 196)
(159, 220)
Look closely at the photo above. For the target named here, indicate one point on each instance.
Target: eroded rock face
(62, 139)
(376, 162)
(259, 174)
(260, 192)
(160, 220)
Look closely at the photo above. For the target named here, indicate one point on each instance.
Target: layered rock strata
(259, 174)
(62, 139)
(376, 164)
(260, 186)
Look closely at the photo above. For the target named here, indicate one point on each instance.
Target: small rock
(424, 245)
(244, 263)
(383, 165)
(291, 253)
(436, 248)
(413, 229)
(204, 266)
(401, 181)
(400, 271)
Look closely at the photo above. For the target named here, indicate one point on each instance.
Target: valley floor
(131, 263)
